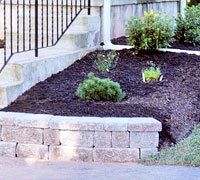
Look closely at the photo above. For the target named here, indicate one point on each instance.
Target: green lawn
(187, 152)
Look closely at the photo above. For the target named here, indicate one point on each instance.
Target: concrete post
(183, 5)
(107, 28)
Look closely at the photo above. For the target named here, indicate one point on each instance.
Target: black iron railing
(35, 24)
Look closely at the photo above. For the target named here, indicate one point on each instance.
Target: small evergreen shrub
(104, 62)
(150, 32)
(151, 74)
(188, 28)
(95, 88)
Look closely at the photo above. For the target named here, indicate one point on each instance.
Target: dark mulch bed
(124, 41)
(174, 101)
(185, 47)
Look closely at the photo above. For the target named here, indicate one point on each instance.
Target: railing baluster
(71, 10)
(11, 27)
(89, 7)
(52, 21)
(47, 19)
(5, 33)
(67, 13)
(57, 19)
(17, 25)
(30, 21)
(75, 7)
(36, 28)
(42, 22)
(62, 26)
(24, 23)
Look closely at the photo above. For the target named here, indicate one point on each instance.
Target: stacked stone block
(88, 139)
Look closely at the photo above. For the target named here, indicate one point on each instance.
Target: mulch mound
(174, 101)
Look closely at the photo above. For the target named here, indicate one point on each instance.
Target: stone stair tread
(45, 53)
(4, 83)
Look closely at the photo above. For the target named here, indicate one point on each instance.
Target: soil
(124, 41)
(1, 43)
(174, 101)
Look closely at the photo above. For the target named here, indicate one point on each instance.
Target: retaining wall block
(51, 137)
(77, 138)
(68, 153)
(120, 139)
(145, 125)
(32, 151)
(115, 155)
(102, 139)
(23, 135)
(144, 139)
(7, 149)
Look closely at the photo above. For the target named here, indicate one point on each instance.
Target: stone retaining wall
(87, 139)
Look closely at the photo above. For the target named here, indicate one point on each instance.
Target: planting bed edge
(88, 139)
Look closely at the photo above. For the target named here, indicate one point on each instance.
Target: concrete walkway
(30, 170)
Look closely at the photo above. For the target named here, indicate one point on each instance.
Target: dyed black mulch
(174, 101)
(185, 47)
(124, 41)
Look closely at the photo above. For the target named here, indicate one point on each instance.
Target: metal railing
(35, 24)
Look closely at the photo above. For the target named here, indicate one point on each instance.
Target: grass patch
(186, 153)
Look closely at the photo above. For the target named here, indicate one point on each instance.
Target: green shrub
(98, 89)
(105, 62)
(150, 32)
(188, 28)
(151, 74)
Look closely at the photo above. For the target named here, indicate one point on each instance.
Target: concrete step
(72, 40)
(11, 73)
(87, 23)
(9, 91)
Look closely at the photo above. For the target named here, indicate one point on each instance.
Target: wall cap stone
(79, 123)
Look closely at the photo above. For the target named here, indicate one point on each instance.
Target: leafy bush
(150, 32)
(104, 62)
(151, 74)
(188, 28)
(95, 88)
